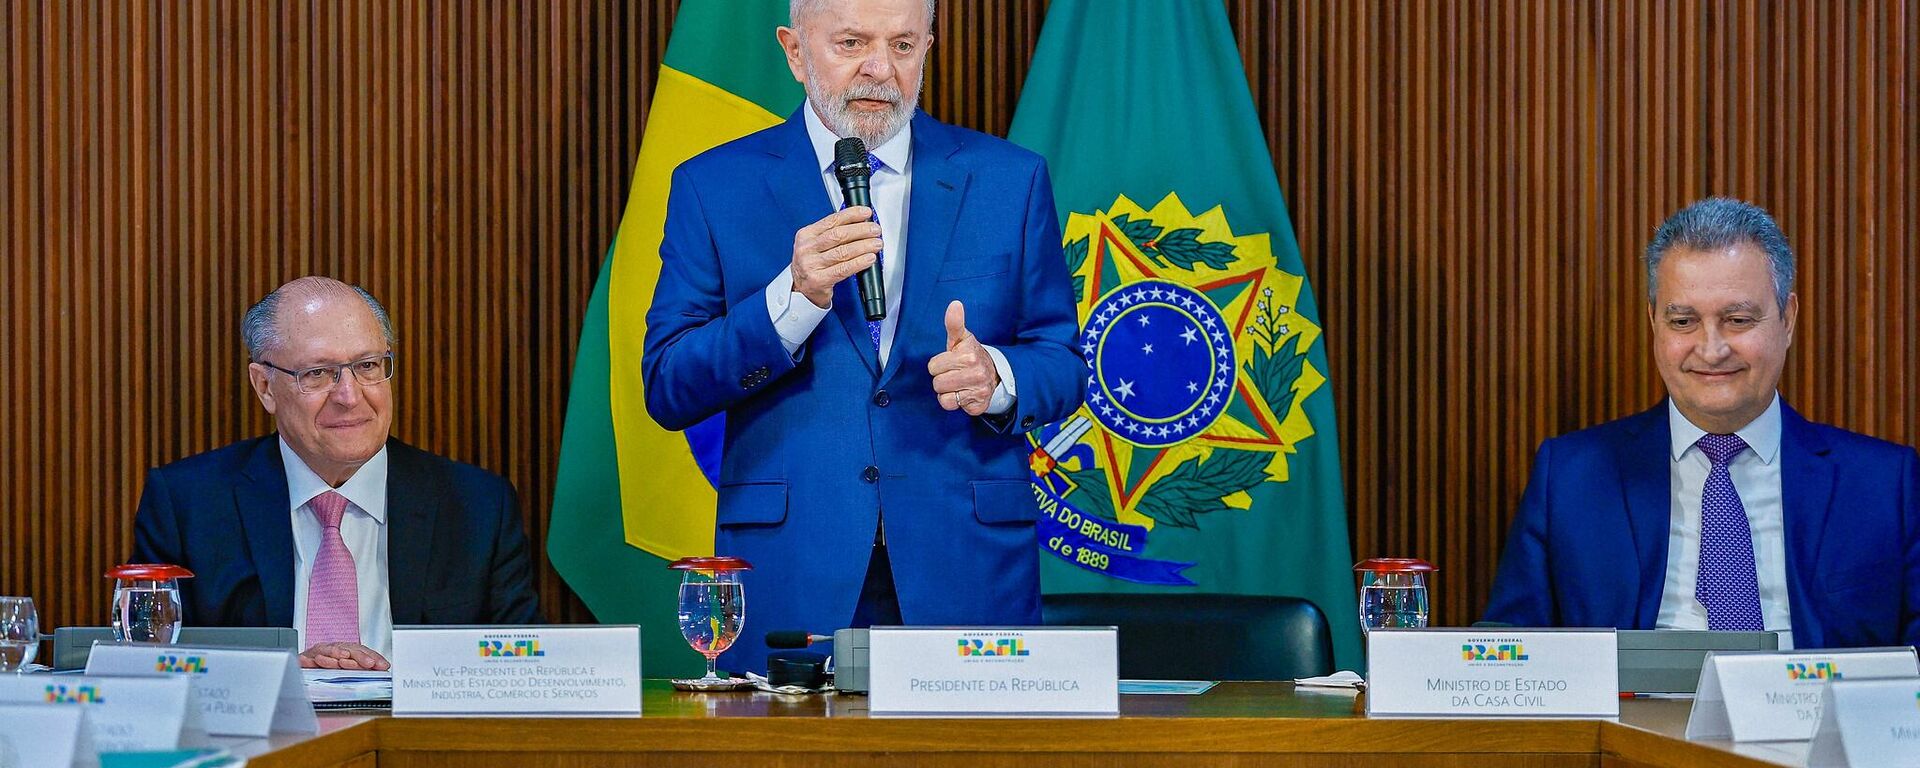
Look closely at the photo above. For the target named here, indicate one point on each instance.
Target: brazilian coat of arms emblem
(1197, 369)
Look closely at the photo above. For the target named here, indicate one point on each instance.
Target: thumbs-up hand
(956, 324)
(963, 376)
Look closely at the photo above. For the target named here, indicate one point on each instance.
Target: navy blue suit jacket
(455, 551)
(818, 448)
(1589, 546)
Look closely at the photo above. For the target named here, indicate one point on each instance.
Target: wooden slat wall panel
(166, 163)
(1470, 182)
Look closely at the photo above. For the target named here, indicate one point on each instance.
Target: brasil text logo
(1198, 371)
(1493, 650)
(1819, 670)
(82, 694)
(495, 649)
(1011, 645)
(170, 663)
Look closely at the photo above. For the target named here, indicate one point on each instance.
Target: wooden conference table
(1241, 724)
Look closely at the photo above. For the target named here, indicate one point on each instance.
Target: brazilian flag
(630, 496)
(1206, 456)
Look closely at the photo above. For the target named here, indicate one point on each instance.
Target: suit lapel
(414, 496)
(1806, 494)
(795, 183)
(939, 187)
(1645, 477)
(266, 519)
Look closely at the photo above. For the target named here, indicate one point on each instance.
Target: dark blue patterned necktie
(1728, 587)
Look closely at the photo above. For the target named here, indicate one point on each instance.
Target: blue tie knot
(1720, 449)
(873, 161)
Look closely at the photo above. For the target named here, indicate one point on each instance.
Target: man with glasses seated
(331, 526)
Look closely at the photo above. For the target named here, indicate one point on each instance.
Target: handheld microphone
(793, 638)
(850, 167)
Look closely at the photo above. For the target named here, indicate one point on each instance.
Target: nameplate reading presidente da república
(239, 691)
(995, 671)
(1776, 695)
(1506, 672)
(124, 714)
(549, 671)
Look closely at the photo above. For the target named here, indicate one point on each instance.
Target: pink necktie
(333, 593)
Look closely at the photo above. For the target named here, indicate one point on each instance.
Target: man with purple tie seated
(1721, 508)
(332, 527)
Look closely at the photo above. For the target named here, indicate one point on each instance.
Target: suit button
(871, 474)
(881, 399)
(1026, 423)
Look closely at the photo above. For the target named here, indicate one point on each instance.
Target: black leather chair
(1182, 636)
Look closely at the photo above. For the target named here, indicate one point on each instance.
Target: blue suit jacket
(818, 448)
(1589, 546)
(455, 550)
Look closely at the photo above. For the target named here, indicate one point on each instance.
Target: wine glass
(146, 602)
(1393, 593)
(19, 633)
(713, 606)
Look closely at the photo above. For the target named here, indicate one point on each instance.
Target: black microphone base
(873, 293)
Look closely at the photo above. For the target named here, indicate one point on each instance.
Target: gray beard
(872, 129)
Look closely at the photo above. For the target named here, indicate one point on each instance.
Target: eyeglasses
(322, 378)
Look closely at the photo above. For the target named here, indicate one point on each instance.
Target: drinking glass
(19, 633)
(146, 602)
(713, 607)
(1393, 593)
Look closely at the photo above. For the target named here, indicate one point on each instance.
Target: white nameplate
(1506, 672)
(240, 691)
(125, 714)
(37, 734)
(994, 671)
(1775, 695)
(1868, 723)
(534, 670)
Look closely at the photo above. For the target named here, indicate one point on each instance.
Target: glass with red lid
(146, 602)
(713, 607)
(1393, 593)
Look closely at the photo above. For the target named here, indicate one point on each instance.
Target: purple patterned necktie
(1728, 587)
(333, 590)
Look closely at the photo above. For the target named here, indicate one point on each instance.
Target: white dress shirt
(363, 528)
(795, 316)
(1756, 477)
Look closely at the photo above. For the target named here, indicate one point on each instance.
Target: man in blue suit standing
(1721, 508)
(873, 473)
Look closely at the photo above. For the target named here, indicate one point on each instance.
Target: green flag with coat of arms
(1206, 456)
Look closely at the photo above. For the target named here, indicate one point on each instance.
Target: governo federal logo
(77, 694)
(510, 647)
(175, 664)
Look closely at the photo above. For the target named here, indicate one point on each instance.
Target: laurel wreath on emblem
(1196, 487)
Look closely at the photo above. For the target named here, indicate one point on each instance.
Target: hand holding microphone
(963, 376)
(846, 242)
(831, 250)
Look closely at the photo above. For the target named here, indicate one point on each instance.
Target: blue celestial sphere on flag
(1162, 362)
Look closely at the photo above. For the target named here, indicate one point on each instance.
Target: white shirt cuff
(1002, 400)
(794, 315)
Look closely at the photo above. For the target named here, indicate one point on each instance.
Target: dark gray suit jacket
(455, 551)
